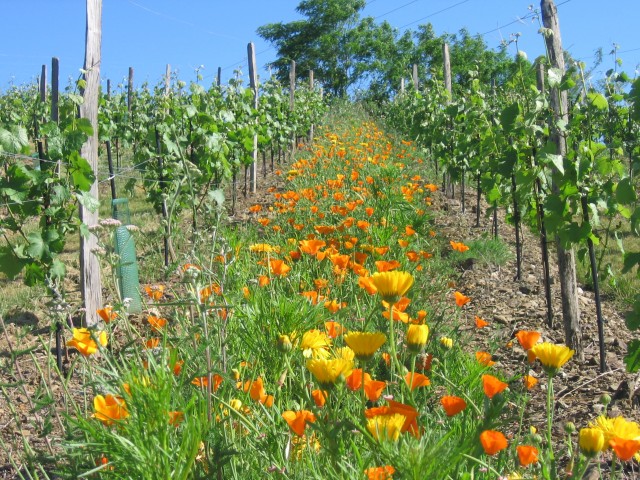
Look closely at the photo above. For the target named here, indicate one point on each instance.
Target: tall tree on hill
(323, 42)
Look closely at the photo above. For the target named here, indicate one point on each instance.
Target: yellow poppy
(386, 427)
(393, 284)
(328, 372)
(365, 344)
(552, 356)
(417, 336)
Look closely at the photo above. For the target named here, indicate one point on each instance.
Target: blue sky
(188, 34)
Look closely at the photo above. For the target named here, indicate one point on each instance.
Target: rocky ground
(511, 305)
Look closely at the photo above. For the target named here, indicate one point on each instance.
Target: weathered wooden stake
(253, 84)
(130, 89)
(566, 257)
(90, 281)
(167, 80)
(414, 76)
(311, 87)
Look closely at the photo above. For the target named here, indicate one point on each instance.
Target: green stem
(550, 407)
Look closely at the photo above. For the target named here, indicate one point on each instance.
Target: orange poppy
(527, 338)
(529, 381)
(380, 473)
(354, 380)
(527, 454)
(203, 382)
(263, 280)
(333, 329)
(177, 367)
(369, 211)
(154, 292)
(492, 441)
(408, 231)
(156, 323)
(311, 247)
(319, 397)
(452, 405)
(484, 358)
(278, 267)
(415, 380)
(625, 448)
(461, 299)
(333, 306)
(206, 292)
(492, 386)
(459, 246)
(363, 225)
(387, 266)
(324, 229)
(373, 389)
(367, 284)
(298, 420)
(175, 418)
(106, 313)
(412, 256)
(312, 295)
(152, 343)
(480, 323)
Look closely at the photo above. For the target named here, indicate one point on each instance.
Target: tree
(324, 42)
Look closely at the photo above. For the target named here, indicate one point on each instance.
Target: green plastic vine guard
(127, 267)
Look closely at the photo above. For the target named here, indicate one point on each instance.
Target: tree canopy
(349, 53)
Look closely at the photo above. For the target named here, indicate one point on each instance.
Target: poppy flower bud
(284, 343)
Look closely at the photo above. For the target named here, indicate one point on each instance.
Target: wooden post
(37, 121)
(167, 80)
(402, 85)
(130, 89)
(292, 85)
(219, 77)
(55, 89)
(108, 88)
(292, 100)
(90, 281)
(414, 76)
(253, 84)
(55, 97)
(566, 257)
(446, 66)
(43, 84)
(311, 87)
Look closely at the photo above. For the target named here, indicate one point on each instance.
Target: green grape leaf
(625, 191)
(631, 259)
(58, 269)
(84, 125)
(555, 160)
(10, 263)
(598, 100)
(88, 201)
(509, 116)
(37, 247)
(81, 172)
(632, 358)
